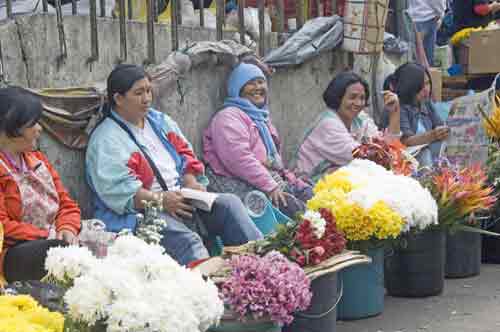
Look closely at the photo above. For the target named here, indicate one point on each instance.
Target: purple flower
(267, 286)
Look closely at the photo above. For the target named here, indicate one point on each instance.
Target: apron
(39, 197)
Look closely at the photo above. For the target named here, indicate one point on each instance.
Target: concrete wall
(30, 56)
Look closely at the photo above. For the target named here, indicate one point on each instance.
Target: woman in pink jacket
(242, 148)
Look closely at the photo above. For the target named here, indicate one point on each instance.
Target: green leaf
(471, 229)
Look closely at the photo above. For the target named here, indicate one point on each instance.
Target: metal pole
(2, 70)
(129, 9)
(220, 19)
(262, 29)
(300, 13)
(241, 20)
(123, 32)
(179, 13)
(102, 4)
(74, 7)
(45, 6)
(319, 13)
(202, 12)
(151, 31)
(280, 4)
(60, 28)
(174, 25)
(9, 8)
(154, 9)
(94, 42)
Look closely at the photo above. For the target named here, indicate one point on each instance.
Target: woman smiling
(242, 147)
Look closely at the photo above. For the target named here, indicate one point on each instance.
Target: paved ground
(467, 305)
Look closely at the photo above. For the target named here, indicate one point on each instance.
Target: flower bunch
(150, 224)
(491, 123)
(391, 156)
(269, 286)
(312, 239)
(463, 34)
(372, 203)
(21, 313)
(137, 287)
(459, 192)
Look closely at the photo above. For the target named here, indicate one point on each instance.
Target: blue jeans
(228, 219)
(428, 29)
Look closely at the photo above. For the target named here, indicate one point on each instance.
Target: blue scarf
(260, 116)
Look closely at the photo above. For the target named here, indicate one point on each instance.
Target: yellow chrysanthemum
(337, 180)
(358, 224)
(22, 313)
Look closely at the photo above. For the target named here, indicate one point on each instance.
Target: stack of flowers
(372, 203)
(391, 156)
(459, 192)
(311, 240)
(136, 287)
(266, 287)
(491, 123)
(21, 313)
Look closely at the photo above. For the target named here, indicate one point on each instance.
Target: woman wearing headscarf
(329, 143)
(36, 211)
(138, 154)
(242, 147)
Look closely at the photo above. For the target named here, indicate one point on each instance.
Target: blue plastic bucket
(271, 217)
(363, 288)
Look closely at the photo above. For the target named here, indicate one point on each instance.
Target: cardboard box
(479, 54)
(437, 83)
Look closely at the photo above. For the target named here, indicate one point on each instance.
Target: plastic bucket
(363, 288)
(463, 255)
(321, 316)
(491, 244)
(416, 269)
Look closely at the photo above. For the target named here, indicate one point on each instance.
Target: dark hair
(337, 87)
(389, 83)
(409, 81)
(122, 78)
(19, 109)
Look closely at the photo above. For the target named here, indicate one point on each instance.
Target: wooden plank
(9, 8)
(94, 42)
(300, 13)
(280, 8)
(201, 4)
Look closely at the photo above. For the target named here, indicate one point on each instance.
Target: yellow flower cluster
(21, 313)
(463, 34)
(338, 180)
(492, 123)
(358, 224)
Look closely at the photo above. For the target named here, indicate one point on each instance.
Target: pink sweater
(233, 147)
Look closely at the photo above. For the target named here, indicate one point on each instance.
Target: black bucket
(463, 254)
(416, 269)
(491, 245)
(321, 316)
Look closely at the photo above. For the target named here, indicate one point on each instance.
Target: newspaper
(467, 143)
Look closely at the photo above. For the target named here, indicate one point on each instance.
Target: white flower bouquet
(135, 288)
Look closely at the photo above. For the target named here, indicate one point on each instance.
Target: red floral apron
(39, 197)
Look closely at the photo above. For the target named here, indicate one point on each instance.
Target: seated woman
(242, 148)
(420, 124)
(35, 209)
(138, 154)
(329, 143)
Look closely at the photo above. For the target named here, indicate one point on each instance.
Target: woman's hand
(175, 205)
(391, 101)
(277, 197)
(440, 133)
(67, 236)
(191, 182)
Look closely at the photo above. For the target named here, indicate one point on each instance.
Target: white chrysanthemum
(138, 288)
(317, 222)
(66, 263)
(403, 194)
